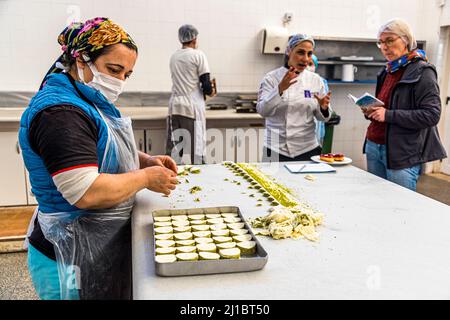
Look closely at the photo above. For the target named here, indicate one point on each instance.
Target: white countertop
(378, 241)
(142, 113)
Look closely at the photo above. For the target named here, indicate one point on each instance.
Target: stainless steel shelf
(345, 39)
(360, 63)
(361, 82)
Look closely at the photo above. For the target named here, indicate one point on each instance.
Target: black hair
(189, 42)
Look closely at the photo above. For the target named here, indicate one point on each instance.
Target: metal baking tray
(199, 267)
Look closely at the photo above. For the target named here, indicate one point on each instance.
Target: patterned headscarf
(90, 36)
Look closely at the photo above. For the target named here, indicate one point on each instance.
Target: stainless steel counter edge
(143, 113)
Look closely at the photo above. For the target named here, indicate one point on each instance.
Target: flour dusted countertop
(378, 241)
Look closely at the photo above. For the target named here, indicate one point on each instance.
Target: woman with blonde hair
(402, 134)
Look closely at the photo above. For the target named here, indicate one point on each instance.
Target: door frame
(444, 124)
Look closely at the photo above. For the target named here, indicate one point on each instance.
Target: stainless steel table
(378, 241)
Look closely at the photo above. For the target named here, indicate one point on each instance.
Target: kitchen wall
(349, 135)
(230, 35)
(445, 16)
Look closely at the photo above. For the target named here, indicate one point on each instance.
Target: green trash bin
(329, 128)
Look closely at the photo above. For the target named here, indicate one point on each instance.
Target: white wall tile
(223, 24)
(230, 35)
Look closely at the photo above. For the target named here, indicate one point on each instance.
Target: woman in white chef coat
(290, 98)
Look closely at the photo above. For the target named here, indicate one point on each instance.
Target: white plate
(337, 163)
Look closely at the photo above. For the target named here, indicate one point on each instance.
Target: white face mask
(109, 86)
(311, 68)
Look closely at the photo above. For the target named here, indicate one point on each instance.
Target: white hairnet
(294, 41)
(299, 38)
(187, 33)
(402, 29)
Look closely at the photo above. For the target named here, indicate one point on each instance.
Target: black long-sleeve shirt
(206, 84)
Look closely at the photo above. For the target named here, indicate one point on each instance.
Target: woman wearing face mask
(290, 98)
(402, 135)
(85, 169)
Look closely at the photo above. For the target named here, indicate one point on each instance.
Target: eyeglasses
(389, 42)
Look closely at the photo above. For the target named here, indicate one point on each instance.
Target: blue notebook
(367, 100)
(310, 168)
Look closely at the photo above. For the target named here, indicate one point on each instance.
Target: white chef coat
(291, 115)
(186, 67)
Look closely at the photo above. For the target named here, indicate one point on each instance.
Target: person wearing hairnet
(186, 123)
(403, 133)
(320, 125)
(290, 98)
